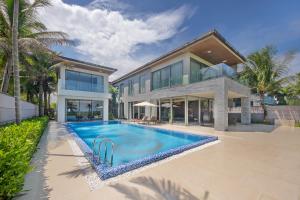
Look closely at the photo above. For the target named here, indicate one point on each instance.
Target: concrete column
(105, 109)
(186, 111)
(199, 111)
(139, 112)
(159, 108)
(245, 110)
(61, 109)
(171, 111)
(119, 109)
(221, 108)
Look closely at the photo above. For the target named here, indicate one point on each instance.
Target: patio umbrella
(146, 104)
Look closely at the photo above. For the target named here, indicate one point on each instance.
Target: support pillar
(221, 108)
(245, 110)
(171, 111)
(199, 111)
(159, 110)
(186, 111)
(139, 112)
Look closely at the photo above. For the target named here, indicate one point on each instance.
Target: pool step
(97, 156)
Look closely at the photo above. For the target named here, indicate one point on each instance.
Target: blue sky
(127, 33)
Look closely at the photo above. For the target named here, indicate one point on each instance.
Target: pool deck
(255, 162)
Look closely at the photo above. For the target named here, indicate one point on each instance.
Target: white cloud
(108, 37)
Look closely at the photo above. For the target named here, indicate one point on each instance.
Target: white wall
(7, 109)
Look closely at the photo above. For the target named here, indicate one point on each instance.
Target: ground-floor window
(82, 110)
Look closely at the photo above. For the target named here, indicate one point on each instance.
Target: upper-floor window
(196, 70)
(121, 90)
(142, 84)
(168, 76)
(130, 88)
(83, 81)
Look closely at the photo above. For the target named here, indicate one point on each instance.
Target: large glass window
(196, 70)
(78, 110)
(130, 88)
(84, 81)
(176, 74)
(168, 76)
(121, 88)
(155, 80)
(142, 83)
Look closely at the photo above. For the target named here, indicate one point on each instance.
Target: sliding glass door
(83, 110)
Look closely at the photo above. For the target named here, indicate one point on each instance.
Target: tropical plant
(113, 103)
(17, 145)
(39, 72)
(264, 73)
(32, 34)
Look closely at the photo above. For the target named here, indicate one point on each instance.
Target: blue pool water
(134, 142)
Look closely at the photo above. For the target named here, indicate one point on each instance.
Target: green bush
(17, 145)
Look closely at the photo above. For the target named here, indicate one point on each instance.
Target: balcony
(217, 71)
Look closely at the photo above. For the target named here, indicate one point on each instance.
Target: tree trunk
(15, 60)
(262, 95)
(49, 93)
(41, 106)
(6, 76)
(45, 103)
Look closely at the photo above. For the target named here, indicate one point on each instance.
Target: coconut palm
(265, 73)
(15, 60)
(32, 34)
(40, 75)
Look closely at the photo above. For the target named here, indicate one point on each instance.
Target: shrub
(17, 145)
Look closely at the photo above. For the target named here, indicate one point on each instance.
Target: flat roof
(239, 58)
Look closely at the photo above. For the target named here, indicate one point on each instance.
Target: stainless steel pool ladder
(97, 157)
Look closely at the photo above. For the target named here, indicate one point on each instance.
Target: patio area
(251, 162)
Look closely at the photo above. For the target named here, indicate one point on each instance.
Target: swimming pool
(134, 145)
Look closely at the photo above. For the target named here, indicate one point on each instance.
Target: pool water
(133, 142)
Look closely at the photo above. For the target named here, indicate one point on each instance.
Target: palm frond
(4, 13)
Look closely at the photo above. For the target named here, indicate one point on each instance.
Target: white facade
(64, 94)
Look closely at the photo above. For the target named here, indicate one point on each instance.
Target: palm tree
(264, 73)
(32, 34)
(39, 72)
(15, 60)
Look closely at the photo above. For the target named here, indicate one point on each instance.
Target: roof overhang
(72, 63)
(211, 47)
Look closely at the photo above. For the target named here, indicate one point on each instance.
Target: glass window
(71, 80)
(72, 110)
(121, 90)
(165, 77)
(196, 71)
(84, 81)
(130, 88)
(155, 80)
(176, 74)
(142, 84)
(78, 110)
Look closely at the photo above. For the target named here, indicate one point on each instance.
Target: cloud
(110, 38)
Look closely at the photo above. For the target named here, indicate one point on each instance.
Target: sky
(125, 34)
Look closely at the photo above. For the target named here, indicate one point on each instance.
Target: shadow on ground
(161, 189)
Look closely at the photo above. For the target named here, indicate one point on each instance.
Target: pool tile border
(105, 172)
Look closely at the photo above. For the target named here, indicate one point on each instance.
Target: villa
(193, 84)
(82, 90)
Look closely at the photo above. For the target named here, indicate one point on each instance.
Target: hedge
(17, 145)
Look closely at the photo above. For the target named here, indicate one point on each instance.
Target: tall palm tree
(15, 60)
(38, 69)
(32, 34)
(265, 73)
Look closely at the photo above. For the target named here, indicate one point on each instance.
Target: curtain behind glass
(176, 74)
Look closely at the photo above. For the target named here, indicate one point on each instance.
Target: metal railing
(96, 156)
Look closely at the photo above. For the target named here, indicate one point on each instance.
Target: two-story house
(192, 84)
(82, 90)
